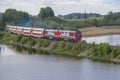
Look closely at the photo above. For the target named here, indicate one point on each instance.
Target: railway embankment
(102, 52)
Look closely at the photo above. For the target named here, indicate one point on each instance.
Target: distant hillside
(79, 15)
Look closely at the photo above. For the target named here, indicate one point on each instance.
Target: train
(52, 34)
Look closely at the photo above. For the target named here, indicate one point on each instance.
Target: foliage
(14, 17)
(47, 19)
(46, 12)
(44, 43)
(112, 19)
(103, 51)
(31, 41)
(24, 40)
(2, 25)
(79, 15)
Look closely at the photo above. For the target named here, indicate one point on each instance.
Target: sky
(62, 6)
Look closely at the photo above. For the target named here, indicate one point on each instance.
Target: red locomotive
(69, 35)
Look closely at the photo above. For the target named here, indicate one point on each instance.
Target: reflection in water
(5, 51)
(13, 49)
(42, 67)
(111, 39)
(0, 49)
(24, 50)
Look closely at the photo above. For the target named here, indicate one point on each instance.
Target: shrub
(24, 40)
(77, 47)
(32, 42)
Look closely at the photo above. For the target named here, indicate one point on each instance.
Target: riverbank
(101, 52)
(99, 31)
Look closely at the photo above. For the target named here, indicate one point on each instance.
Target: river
(113, 40)
(17, 65)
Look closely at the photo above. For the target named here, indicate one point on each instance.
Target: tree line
(47, 19)
(79, 15)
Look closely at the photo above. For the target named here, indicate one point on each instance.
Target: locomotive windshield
(78, 32)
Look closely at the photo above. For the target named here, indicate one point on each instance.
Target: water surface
(23, 66)
(111, 39)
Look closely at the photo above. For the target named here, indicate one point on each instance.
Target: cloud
(62, 6)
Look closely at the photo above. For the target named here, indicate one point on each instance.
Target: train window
(50, 32)
(78, 32)
(38, 30)
(27, 29)
(19, 28)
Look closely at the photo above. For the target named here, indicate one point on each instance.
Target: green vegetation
(14, 17)
(102, 52)
(47, 19)
(2, 25)
(26, 41)
(79, 15)
(112, 19)
(46, 12)
(67, 49)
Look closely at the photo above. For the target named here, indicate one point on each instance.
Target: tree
(42, 13)
(14, 17)
(49, 12)
(95, 23)
(2, 25)
(46, 12)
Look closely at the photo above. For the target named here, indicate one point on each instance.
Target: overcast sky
(62, 6)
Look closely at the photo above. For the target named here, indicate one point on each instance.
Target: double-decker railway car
(27, 31)
(8, 28)
(19, 30)
(13, 29)
(38, 32)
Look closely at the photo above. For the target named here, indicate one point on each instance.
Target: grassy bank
(98, 31)
(102, 52)
(43, 45)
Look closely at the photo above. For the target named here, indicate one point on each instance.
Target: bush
(100, 50)
(43, 43)
(24, 40)
(61, 45)
(18, 38)
(32, 42)
(77, 47)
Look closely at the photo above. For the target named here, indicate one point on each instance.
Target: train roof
(51, 30)
(38, 28)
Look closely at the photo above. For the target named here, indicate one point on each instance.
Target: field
(98, 31)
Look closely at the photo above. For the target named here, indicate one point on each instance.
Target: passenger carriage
(27, 31)
(8, 28)
(38, 32)
(20, 30)
(13, 29)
